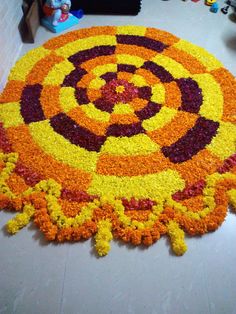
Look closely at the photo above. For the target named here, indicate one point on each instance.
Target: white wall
(10, 41)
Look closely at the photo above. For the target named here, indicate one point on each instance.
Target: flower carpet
(126, 132)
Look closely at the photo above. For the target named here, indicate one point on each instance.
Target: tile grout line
(63, 284)
(207, 289)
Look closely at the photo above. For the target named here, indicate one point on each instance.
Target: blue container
(215, 7)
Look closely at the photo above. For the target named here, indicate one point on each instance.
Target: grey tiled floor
(37, 277)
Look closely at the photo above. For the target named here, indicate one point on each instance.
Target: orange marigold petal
(132, 165)
(64, 39)
(124, 76)
(12, 91)
(228, 86)
(204, 163)
(16, 184)
(101, 60)
(149, 77)
(174, 130)
(33, 157)
(86, 79)
(93, 94)
(172, 95)
(189, 62)
(194, 203)
(41, 68)
(138, 103)
(160, 35)
(49, 100)
(79, 116)
(142, 52)
(123, 118)
(70, 208)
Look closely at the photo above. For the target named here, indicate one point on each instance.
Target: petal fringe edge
(107, 217)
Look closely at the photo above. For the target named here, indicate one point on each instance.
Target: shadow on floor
(230, 42)
(232, 17)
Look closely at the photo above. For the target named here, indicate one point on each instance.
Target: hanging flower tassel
(103, 237)
(177, 238)
(20, 220)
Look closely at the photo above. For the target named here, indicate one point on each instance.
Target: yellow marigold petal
(57, 74)
(10, 163)
(121, 108)
(57, 215)
(101, 69)
(156, 185)
(20, 220)
(164, 116)
(131, 30)
(128, 59)
(97, 83)
(94, 113)
(158, 94)
(10, 114)
(213, 101)
(26, 63)
(138, 80)
(120, 211)
(103, 237)
(84, 44)
(139, 144)
(67, 99)
(62, 150)
(12, 227)
(175, 68)
(177, 238)
(226, 133)
(207, 59)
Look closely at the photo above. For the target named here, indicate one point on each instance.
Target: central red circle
(110, 93)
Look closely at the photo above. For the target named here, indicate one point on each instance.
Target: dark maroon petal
(134, 204)
(31, 109)
(126, 68)
(81, 96)
(31, 178)
(76, 196)
(145, 92)
(104, 105)
(5, 145)
(74, 77)
(141, 41)
(191, 95)
(109, 91)
(109, 76)
(125, 129)
(229, 163)
(192, 142)
(149, 111)
(76, 134)
(158, 71)
(88, 54)
(190, 191)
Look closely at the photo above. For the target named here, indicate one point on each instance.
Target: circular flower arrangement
(118, 131)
